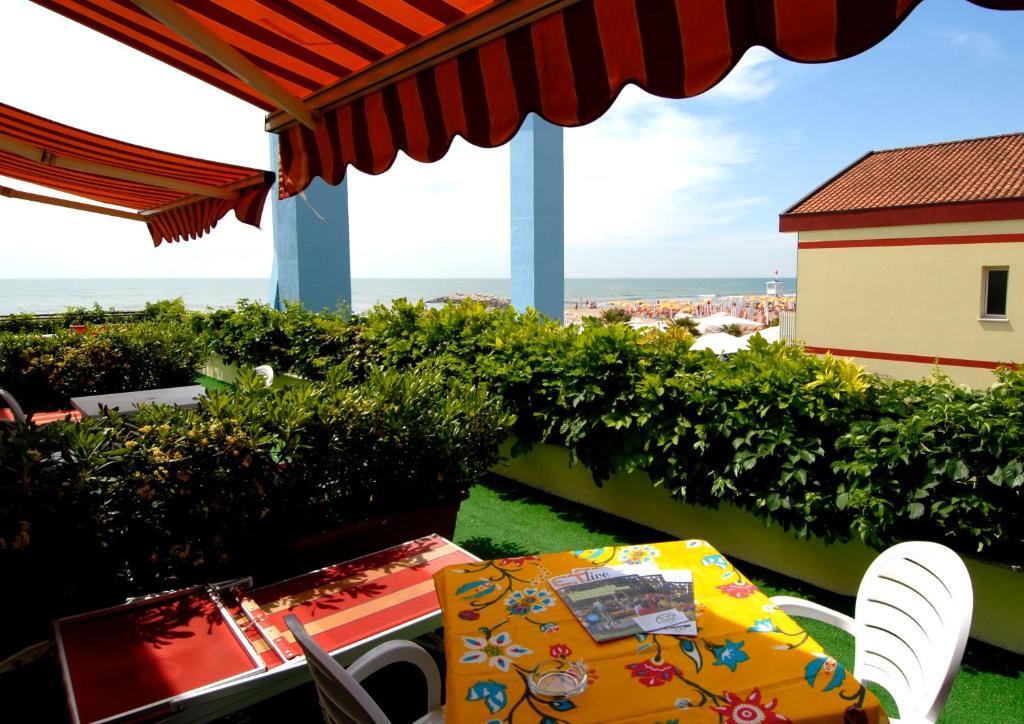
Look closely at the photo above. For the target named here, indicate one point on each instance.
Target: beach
(47, 296)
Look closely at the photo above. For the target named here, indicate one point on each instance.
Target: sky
(655, 188)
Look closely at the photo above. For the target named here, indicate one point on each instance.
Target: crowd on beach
(762, 310)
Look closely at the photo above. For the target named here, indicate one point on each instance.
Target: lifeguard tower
(773, 288)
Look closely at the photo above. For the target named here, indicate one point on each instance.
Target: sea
(42, 296)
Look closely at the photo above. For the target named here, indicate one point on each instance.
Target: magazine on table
(618, 601)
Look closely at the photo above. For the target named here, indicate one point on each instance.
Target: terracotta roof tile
(980, 169)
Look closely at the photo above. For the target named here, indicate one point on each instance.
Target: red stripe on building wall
(916, 358)
(998, 210)
(914, 241)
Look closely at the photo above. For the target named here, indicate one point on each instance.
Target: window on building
(995, 280)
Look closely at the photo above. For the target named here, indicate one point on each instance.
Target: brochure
(617, 601)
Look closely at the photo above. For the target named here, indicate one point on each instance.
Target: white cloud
(61, 70)
(650, 171)
(974, 41)
(754, 77)
(445, 219)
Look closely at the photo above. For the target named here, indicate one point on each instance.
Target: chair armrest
(810, 609)
(393, 652)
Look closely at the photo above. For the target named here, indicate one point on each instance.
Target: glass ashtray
(557, 679)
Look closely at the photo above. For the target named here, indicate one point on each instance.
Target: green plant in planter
(42, 372)
(84, 315)
(815, 445)
(170, 496)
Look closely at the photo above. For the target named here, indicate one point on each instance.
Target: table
(749, 663)
(127, 403)
(204, 652)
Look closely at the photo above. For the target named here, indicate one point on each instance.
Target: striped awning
(352, 82)
(177, 196)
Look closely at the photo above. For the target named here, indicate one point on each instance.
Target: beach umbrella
(645, 323)
(715, 322)
(720, 343)
(769, 334)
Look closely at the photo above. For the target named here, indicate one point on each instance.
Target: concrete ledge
(838, 567)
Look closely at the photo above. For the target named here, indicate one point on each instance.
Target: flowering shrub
(169, 497)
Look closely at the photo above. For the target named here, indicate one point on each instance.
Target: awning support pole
(179, 21)
(77, 205)
(40, 155)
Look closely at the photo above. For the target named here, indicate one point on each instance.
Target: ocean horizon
(45, 296)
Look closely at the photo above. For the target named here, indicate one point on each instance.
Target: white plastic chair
(266, 372)
(343, 700)
(911, 623)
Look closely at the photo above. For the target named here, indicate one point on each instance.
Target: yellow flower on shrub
(22, 539)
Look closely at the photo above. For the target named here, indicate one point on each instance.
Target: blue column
(538, 218)
(311, 246)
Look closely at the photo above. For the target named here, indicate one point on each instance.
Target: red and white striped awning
(352, 82)
(177, 196)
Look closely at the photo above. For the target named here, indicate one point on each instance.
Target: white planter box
(838, 567)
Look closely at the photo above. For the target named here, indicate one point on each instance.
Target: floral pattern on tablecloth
(749, 662)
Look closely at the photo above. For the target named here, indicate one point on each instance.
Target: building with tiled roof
(913, 257)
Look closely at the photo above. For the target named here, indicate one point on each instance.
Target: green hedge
(96, 315)
(815, 445)
(42, 372)
(112, 506)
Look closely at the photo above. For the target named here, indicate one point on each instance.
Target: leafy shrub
(171, 496)
(690, 324)
(25, 322)
(813, 444)
(615, 316)
(735, 330)
(83, 315)
(294, 340)
(167, 309)
(42, 372)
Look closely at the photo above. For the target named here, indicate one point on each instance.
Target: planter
(837, 567)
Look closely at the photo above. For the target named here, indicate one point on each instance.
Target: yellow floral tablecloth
(749, 663)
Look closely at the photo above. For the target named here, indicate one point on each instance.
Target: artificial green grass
(502, 518)
(212, 383)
